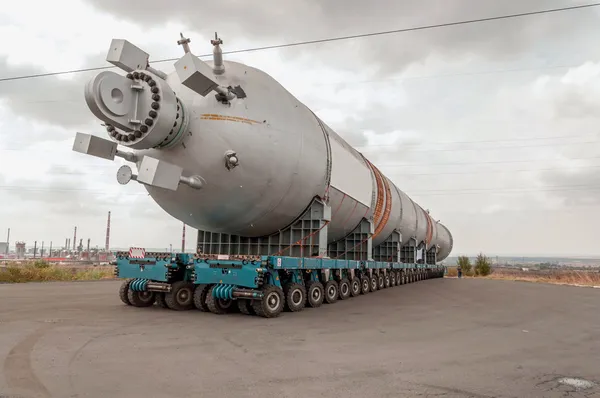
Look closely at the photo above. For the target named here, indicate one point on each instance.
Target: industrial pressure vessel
(262, 155)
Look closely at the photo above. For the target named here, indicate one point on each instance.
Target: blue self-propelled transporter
(262, 285)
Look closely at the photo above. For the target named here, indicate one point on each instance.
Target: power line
(506, 189)
(408, 145)
(470, 163)
(403, 146)
(475, 142)
(400, 147)
(496, 171)
(331, 39)
(404, 164)
(415, 192)
(500, 192)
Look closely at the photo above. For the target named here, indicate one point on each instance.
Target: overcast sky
(492, 126)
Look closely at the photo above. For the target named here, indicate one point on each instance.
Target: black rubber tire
(245, 307)
(355, 287)
(373, 284)
(272, 303)
(386, 280)
(181, 296)
(140, 299)
(365, 284)
(295, 297)
(344, 289)
(200, 297)
(380, 281)
(218, 306)
(123, 291)
(332, 292)
(315, 294)
(160, 300)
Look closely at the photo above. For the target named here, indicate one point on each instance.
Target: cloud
(278, 21)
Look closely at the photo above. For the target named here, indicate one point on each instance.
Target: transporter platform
(263, 286)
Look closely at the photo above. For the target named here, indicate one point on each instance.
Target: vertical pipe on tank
(218, 67)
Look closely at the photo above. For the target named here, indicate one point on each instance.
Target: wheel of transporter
(140, 299)
(295, 297)
(160, 300)
(365, 284)
(386, 281)
(272, 303)
(344, 288)
(245, 307)
(373, 281)
(123, 291)
(181, 296)
(398, 278)
(355, 287)
(315, 294)
(217, 305)
(331, 292)
(380, 281)
(392, 278)
(200, 297)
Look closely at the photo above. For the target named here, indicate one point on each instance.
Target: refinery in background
(71, 251)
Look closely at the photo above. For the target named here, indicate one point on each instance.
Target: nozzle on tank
(218, 66)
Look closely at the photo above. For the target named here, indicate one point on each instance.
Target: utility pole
(107, 244)
(183, 240)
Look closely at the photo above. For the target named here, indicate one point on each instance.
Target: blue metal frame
(168, 268)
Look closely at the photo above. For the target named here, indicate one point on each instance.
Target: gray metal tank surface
(252, 157)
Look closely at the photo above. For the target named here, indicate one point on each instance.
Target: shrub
(483, 266)
(465, 265)
(34, 272)
(40, 264)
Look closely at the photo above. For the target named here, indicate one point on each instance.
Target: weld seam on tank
(185, 122)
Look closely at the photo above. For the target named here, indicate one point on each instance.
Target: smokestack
(66, 243)
(183, 240)
(107, 244)
(75, 240)
(88, 247)
(8, 242)
(42, 250)
(34, 248)
(50, 252)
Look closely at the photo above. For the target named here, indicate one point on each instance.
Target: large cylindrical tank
(286, 156)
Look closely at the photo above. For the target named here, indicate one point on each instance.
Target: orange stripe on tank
(383, 204)
(214, 116)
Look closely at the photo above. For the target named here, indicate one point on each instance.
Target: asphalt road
(441, 337)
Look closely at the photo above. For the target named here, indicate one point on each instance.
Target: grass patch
(40, 271)
(562, 277)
